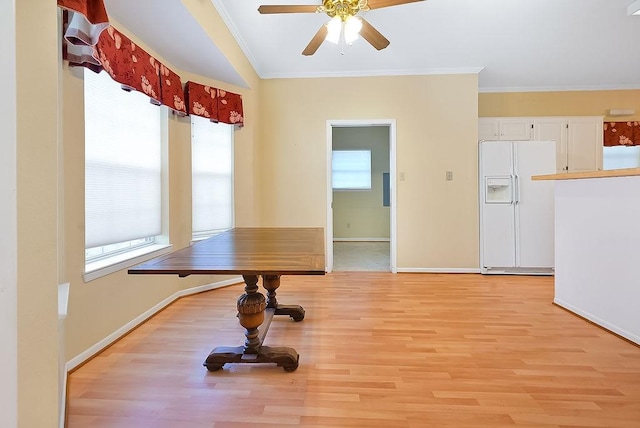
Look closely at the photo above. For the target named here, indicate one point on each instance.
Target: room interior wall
(37, 172)
(360, 214)
(102, 306)
(568, 103)
(280, 179)
(437, 125)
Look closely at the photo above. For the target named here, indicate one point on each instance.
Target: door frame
(391, 123)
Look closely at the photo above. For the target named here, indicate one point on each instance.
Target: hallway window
(212, 177)
(351, 169)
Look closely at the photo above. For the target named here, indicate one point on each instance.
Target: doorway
(359, 218)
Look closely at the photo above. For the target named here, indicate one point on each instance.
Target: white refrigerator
(516, 213)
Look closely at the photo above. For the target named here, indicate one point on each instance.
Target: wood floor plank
(376, 350)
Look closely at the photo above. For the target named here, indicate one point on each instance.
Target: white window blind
(351, 169)
(123, 163)
(212, 181)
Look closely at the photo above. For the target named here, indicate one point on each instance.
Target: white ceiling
(528, 45)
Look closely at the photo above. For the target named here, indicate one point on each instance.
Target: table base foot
(287, 358)
(296, 312)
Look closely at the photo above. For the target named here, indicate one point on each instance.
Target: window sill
(98, 269)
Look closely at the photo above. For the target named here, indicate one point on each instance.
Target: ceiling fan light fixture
(352, 27)
(334, 28)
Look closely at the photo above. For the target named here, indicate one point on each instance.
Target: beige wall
(37, 193)
(436, 119)
(572, 103)
(360, 214)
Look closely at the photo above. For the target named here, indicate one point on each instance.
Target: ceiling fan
(343, 20)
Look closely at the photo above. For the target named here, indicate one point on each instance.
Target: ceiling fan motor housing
(342, 8)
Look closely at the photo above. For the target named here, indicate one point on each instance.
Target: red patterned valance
(84, 21)
(171, 91)
(201, 100)
(128, 64)
(622, 134)
(230, 108)
(93, 10)
(87, 45)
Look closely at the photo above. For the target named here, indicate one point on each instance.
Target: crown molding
(373, 73)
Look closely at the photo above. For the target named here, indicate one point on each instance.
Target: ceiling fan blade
(373, 36)
(317, 40)
(264, 9)
(378, 4)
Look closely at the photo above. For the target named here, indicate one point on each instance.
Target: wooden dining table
(253, 253)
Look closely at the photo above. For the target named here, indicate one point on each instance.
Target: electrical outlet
(402, 176)
(449, 176)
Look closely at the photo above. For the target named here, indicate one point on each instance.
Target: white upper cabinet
(488, 129)
(553, 129)
(585, 141)
(507, 128)
(578, 138)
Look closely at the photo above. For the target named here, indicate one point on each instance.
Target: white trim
(102, 344)
(8, 219)
(113, 264)
(328, 232)
(489, 90)
(361, 239)
(237, 35)
(393, 227)
(438, 270)
(63, 304)
(370, 73)
(62, 387)
(599, 321)
(63, 300)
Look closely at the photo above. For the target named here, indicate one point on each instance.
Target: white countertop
(628, 172)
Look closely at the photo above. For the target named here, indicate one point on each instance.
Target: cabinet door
(488, 129)
(553, 129)
(584, 144)
(515, 129)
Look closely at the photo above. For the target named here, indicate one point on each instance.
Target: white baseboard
(596, 320)
(361, 240)
(438, 270)
(93, 350)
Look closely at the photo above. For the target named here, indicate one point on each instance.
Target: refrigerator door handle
(516, 190)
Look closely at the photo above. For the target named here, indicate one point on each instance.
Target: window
(351, 169)
(123, 170)
(617, 157)
(212, 177)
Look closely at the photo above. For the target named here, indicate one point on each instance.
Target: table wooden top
(246, 251)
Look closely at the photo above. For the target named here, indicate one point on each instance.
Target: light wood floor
(376, 350)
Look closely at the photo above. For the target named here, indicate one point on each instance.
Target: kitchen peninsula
(597, 247)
